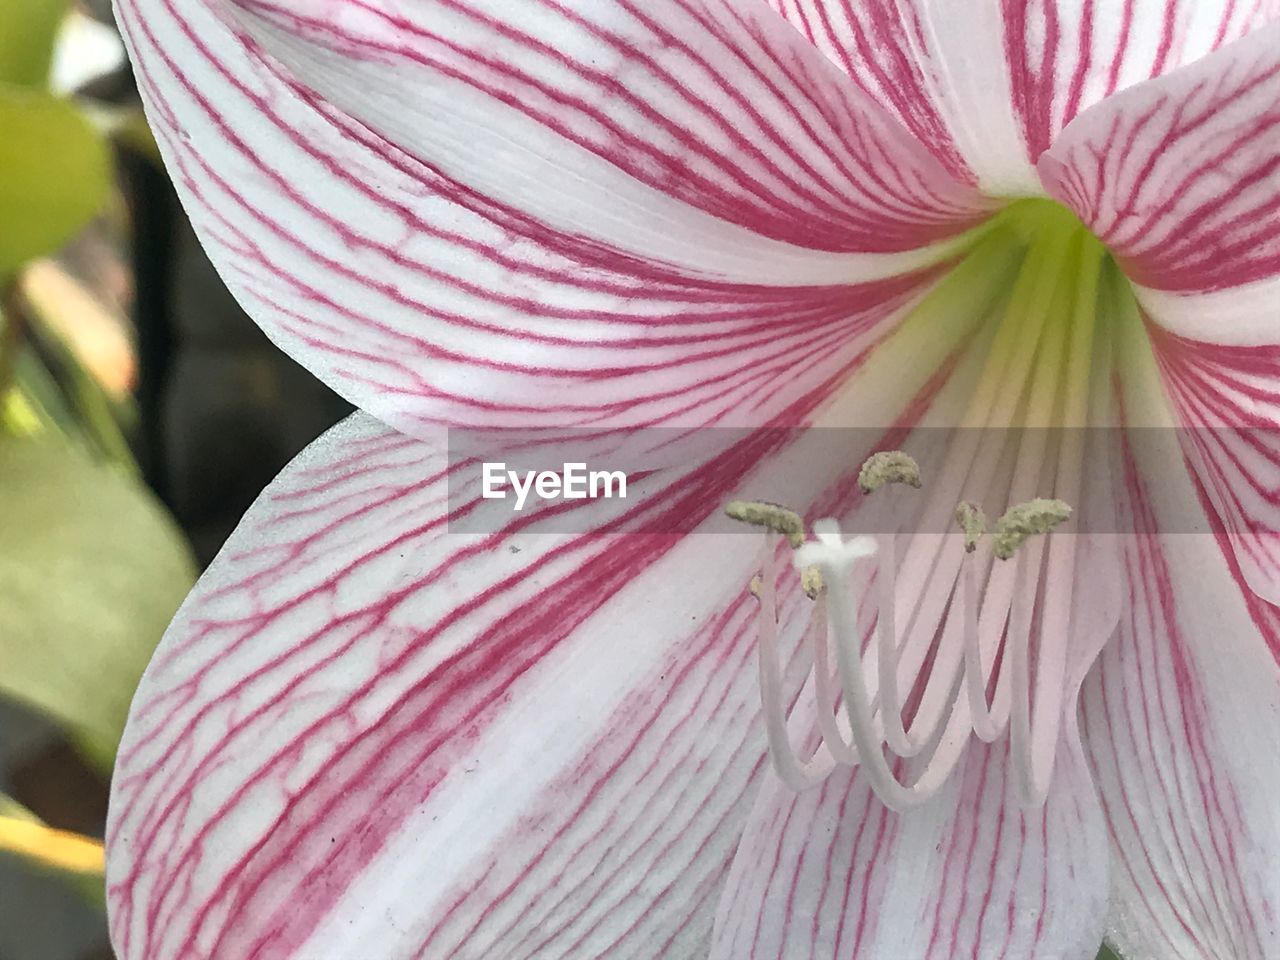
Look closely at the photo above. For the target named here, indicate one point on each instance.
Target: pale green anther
(973, 522)
(811, 583)
(770, 516)
(888, 466)
(1026, 520)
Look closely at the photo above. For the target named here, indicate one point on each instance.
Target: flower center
(937, 632)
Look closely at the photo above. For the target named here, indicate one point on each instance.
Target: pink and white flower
(365, 736)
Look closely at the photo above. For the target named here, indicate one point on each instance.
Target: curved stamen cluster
(949, 643)
(872, 713)
(872, 717)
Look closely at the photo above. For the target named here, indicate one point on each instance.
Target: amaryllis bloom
(369, 736)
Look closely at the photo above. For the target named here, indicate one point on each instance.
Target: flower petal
(521, 744)
(831, 874)
(1226, 399)
(1180, 723)
(581, 213)
(988, 86)
(447, 741)
(1181, 178)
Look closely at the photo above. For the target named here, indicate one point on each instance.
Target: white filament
(952, 626)
(796, 773)
(849, 731)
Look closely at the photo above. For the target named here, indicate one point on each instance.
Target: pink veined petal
(1180, 726)
(1227, 399)
(1181, 178)
(364, 734)
(988, 86)
(525, 744)
(577, 214)
(831, 874)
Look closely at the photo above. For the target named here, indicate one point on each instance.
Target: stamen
(811, 582)
(982, 716)
(1025, 520)
(836, 559)
(888, 466)
(796, 773)
(967, 621)
(973, 522)
(887, 655)
(770, 516)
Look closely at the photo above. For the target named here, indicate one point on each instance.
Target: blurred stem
(97, 418)
(12, 336)
(35, 360)
(50, 848)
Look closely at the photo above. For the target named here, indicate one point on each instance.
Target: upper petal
(1180, 177)
(988, 85)
(580, 213)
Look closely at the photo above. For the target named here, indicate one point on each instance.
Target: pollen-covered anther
(1027, 520)
(769, 516)
(811, 582)
(973, 522)
(888, 466)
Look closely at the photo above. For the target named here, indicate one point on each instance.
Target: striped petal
(1181, 723)
(452, 745)
(1181, 178)
(830, 874)
(989, 85)
(575, 213)
(523, 744)
(1227, 401)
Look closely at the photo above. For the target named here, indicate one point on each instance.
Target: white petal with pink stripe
(531, 744)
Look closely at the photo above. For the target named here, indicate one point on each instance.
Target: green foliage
(1106, 953)
(27, 30)
(91, 571)
(55, 174)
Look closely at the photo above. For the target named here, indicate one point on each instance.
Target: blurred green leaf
(55, 174)
(91, 570)
(27, 31)
(1106, 953)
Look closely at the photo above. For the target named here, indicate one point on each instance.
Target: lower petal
(1181, 724)
(454, 745)
(831, 873)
